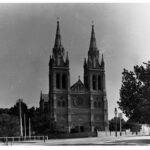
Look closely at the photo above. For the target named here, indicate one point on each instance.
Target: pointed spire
(41, 95)
(93, 39)
(78, 77)
(67, 58)
(58, 36)
(50, 59)
(84, 62)
(102, 62)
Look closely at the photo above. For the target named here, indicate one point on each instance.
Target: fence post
(11, 141)
(44, 138)
(6, 141)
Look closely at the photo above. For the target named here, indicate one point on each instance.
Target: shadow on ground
(140, 142)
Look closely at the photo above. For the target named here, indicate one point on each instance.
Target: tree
(112, 124)
(40, 122)
(31, 111)
(4, 110)
(134, 93)
(15, 109)
(9, 125)
(42, 125)
(134, 127)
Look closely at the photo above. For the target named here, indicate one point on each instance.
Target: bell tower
(93, 69)
(94, 80)
(59, 80)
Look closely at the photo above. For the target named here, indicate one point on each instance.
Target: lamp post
(116, 121)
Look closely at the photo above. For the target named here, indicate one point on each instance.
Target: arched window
(99, 82)
(99, 104)
(58, 104)
(58, 81)
(63, 104)
(64, 81)
(94, 82)
(86, 81)
(95, 104)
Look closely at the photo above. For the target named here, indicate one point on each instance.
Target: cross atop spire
(58, 36)
(93, 39)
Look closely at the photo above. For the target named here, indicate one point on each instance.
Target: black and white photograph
(74, 74)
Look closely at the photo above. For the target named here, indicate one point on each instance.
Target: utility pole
(25, 125)
(120, 116)
(29, 128)
(116, 121)
(20, 118)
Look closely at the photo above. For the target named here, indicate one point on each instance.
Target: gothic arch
(99, 104)
(63, 103)
(99, 82)
(64, 81)
(58, 80)
(95, 105)
(94, 82)
(58, 103)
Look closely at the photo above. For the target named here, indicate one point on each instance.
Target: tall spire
(102, 61)
(93, 39)
(41, 95)
(84, 62)
(58, 36)
(67, 58)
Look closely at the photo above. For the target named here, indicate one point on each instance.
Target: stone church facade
(82, 106)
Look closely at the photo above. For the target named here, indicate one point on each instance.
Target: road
(98, 141)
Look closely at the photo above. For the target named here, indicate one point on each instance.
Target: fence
(6, 140)
(123, 133)
(72, 135)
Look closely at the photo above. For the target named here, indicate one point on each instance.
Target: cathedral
(83, 106)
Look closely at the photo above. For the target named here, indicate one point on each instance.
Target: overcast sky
(27, 34)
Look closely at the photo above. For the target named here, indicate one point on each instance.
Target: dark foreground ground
(97, 141)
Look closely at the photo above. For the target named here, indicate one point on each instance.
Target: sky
(27, 34)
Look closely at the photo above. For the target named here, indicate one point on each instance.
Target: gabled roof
(44, 97)
(78, 86)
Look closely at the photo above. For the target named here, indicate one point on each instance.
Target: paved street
(103, 141)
